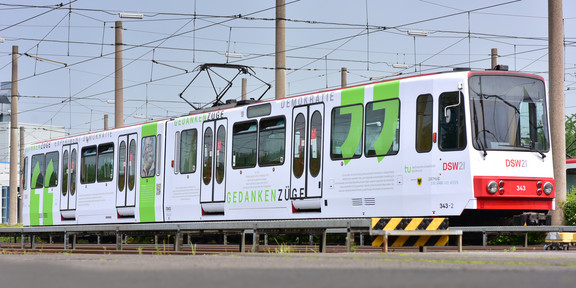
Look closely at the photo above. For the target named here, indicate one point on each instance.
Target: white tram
(448, 144)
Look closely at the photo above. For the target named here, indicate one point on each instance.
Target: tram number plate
(446, 205)
(520, 187)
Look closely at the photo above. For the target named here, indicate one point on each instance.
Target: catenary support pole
(280, 49)
(556, 90)
(13, 201)
(344, 77)
(244, 88)
(494, 57)
(118, 81)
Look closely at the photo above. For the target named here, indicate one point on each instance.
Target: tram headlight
(492, 187)
(548, 187)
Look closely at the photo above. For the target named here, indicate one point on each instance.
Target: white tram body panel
(431, 145)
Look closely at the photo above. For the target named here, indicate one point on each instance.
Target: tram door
(126, 180)
(213, 188)
(307, 151)
(69, 181)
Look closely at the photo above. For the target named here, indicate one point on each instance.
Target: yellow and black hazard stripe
(411, 224)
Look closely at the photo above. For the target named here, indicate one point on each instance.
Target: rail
(486, 230)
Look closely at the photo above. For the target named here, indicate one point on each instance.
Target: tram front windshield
(508, 113)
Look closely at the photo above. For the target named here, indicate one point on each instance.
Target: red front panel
(515, 193)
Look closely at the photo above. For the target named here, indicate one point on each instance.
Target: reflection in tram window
(52, 160)
(382, 128)
(148, 160)
(105, 162)
(220, 153)
(272, 141)
(315, 143)
(207, 156)
(73, 173)
(122, 166)
(346, 138)
(424, 123)
(299, 144)
(88, 163)
(188, 150)
(452, 125)
(244, 138)
(37, 171)
(65, 173)
(131, 164)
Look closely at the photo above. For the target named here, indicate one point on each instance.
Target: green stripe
(354, 140)
(147, 185)
(34, 198)
(383, 91)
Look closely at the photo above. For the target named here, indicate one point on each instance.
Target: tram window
(148, 160)
(424, 123)
(207, 156)
(382, 128)
(571, 180)
(220, 153)
(24, 174)
(299, 144)
(37, 171)
(272, 141)
(244, 139)
(88, 163)
(52, 160)
(259, 110)
(73, 174)
(131, 164)
(122, 166)
(65, 173)
(452, 125)
(346, 138)
(188, 151)
(315, 143)
(105, 162)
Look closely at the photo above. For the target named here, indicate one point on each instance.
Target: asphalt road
(432, 269)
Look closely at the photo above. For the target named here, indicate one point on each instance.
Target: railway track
(207, 249)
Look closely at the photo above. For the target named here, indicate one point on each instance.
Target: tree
(571, 136)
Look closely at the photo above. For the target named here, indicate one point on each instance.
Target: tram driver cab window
(452, 125)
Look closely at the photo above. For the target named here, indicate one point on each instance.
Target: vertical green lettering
(383, 91)
(354, 140)
(47, 198)
(34, 198)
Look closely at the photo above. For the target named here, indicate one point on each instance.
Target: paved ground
(432, 269)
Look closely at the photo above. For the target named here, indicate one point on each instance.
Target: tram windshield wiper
(532, 150)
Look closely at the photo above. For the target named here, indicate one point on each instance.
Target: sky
(66, 60)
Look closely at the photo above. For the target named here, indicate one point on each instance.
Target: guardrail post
(242, 241)
(118, 240)
(349, 238)
(225, 240)
(484, 239)
(73, 241)
(178, 241)
(32, 242)
(323, 241)
(526, 240)
(65, 240)
(22, 243)
(255, 241)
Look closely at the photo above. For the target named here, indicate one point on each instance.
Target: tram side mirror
(447, 115)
